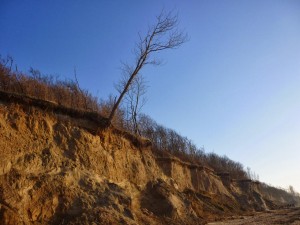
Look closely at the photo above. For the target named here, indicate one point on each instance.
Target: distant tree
(252, 175)
(147, 126)
(292, 190)
(163, 35)
(134, 100)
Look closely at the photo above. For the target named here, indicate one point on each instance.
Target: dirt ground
(283, 216)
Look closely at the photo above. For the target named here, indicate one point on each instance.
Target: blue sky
(232, 88)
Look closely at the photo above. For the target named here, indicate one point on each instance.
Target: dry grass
(65, 93)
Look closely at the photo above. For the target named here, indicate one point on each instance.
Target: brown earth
(58, 168)
(283, 216)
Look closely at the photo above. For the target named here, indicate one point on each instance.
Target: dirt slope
(283, 216)
(56, 169)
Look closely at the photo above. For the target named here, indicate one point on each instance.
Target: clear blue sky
(234, 87)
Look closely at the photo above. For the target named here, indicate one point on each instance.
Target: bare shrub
(168, 142)
(46, 87)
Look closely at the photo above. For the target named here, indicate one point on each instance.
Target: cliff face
(54, 170)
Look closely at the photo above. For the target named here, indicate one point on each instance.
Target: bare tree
(252, 175)
(291, 190)
(163, 35)
(135, 100)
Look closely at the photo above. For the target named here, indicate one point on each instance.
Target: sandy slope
(55, 169)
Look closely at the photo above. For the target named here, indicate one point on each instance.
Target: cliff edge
(60, 166)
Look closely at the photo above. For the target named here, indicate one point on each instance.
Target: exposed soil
(283, 216)
(58, 167)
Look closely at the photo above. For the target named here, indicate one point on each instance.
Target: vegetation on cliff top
(68, 93)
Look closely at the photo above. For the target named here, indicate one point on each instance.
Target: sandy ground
(284, 216)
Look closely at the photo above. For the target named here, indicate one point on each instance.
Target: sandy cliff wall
(59, 169)
(186, 175)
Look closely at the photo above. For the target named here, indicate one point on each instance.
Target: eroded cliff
(57, 168)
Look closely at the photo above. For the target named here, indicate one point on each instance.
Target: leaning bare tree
(163, 35)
